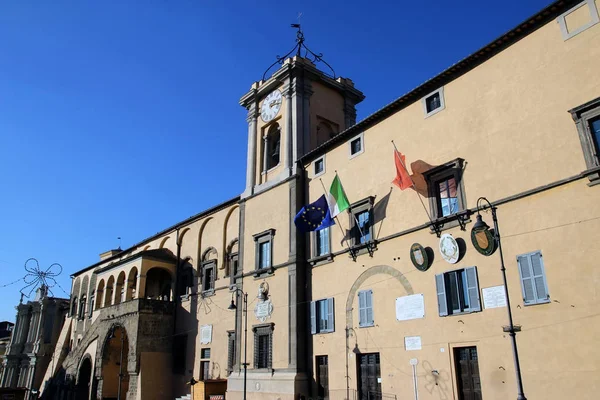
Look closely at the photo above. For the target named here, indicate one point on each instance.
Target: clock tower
(292, 111)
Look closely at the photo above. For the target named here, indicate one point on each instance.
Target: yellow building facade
(395, 301)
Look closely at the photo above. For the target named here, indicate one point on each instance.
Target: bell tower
(293, 110)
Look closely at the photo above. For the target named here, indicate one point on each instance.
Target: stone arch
(376, 270)
(132, 278)
(109, 356)
(181, 235)
(84, 286)
(225, 231)
(120, 288)
(163, 241)
(84, 378)
(209, 254)
(109, 291)
(146, 248)
(100, 295)
(200, 232)
(159, 282)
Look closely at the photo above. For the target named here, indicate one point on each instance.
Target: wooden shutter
(539, 278)
(362, 309)
(369, 306)
(313, 317)
(441, 295)
(473, 289)
(330, 315)
(526, 280)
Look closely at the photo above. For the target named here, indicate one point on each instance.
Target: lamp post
(112, 336)
(481, 226)
(232, 306)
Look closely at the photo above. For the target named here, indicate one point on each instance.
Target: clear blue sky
(121, 118)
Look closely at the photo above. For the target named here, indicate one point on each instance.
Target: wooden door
(369, 374)
(467, 373)
(322, 377)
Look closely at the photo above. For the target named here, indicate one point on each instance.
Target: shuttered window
(533, 278)
(458, 292)
(365, 308)
(263, 345)
(230, 351)
(322, 319)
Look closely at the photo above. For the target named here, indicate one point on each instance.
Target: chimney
(108, 254)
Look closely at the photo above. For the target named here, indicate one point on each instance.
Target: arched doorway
(84, 378)
(114, 364)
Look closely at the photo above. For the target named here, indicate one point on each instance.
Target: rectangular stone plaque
(494, 297)
(410, 307)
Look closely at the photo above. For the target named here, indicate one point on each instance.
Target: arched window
(91, 306)
(209, 269)
(74, 307)
(272, 146)
(82, 307)
(231, 268)
(324, 132)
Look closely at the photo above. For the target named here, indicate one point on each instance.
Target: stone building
(398, 299)
(34, 337)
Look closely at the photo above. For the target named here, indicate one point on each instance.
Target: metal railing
(372, 395)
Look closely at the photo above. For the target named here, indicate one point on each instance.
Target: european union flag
(314, 217)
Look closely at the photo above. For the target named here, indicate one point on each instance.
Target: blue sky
(121, 118)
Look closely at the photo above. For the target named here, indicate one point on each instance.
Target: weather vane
(35, 276)
(308, 53)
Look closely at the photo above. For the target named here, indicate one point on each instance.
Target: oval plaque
(449, 248)
(419, 257)
(484, 242)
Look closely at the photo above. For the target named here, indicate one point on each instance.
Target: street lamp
(232, 306)
(481, 226)
(112, 336)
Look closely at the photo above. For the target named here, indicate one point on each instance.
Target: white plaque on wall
(412, 343)
(205, 334)
(410, 307)
(494, 297)
(263, 310)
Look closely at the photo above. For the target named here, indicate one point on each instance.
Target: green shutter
(441, 295)
(473, 289)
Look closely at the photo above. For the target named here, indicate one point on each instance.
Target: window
(361, 222)
(322, 316)
(319, 166)
(578, 19)
(365, 308)
(209, 271)
(234, 266)
(230, 351)
(321, 242)
(272, 147)
(204, 364)
(263, 346)
(179, 354)
(433, 102)
(74, 307)
(446, 189)
(82, 307)
(458, 292)
(533, 278)
(232, 258)
(322, 374)
(264, 250)
(91, 306)
(357, 145)
(587, 121)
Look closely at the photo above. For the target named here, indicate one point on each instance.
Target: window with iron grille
(263, 346)
(209, 272)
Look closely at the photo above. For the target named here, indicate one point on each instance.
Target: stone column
(265, 139)
(141, 286)
(251, 157)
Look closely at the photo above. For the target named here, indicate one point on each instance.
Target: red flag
(402, 180)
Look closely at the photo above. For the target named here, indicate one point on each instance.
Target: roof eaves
(457, 69)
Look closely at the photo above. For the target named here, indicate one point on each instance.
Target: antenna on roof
(119, 242)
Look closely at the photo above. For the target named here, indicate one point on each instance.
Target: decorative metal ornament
(419, 257)
(449, 248)
(37, 277)
(483, 241)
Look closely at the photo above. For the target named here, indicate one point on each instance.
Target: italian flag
(336, 198)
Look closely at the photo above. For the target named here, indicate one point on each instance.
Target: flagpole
(336, 218)
(413, 185)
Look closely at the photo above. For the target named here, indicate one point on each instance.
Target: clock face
(271, 105)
